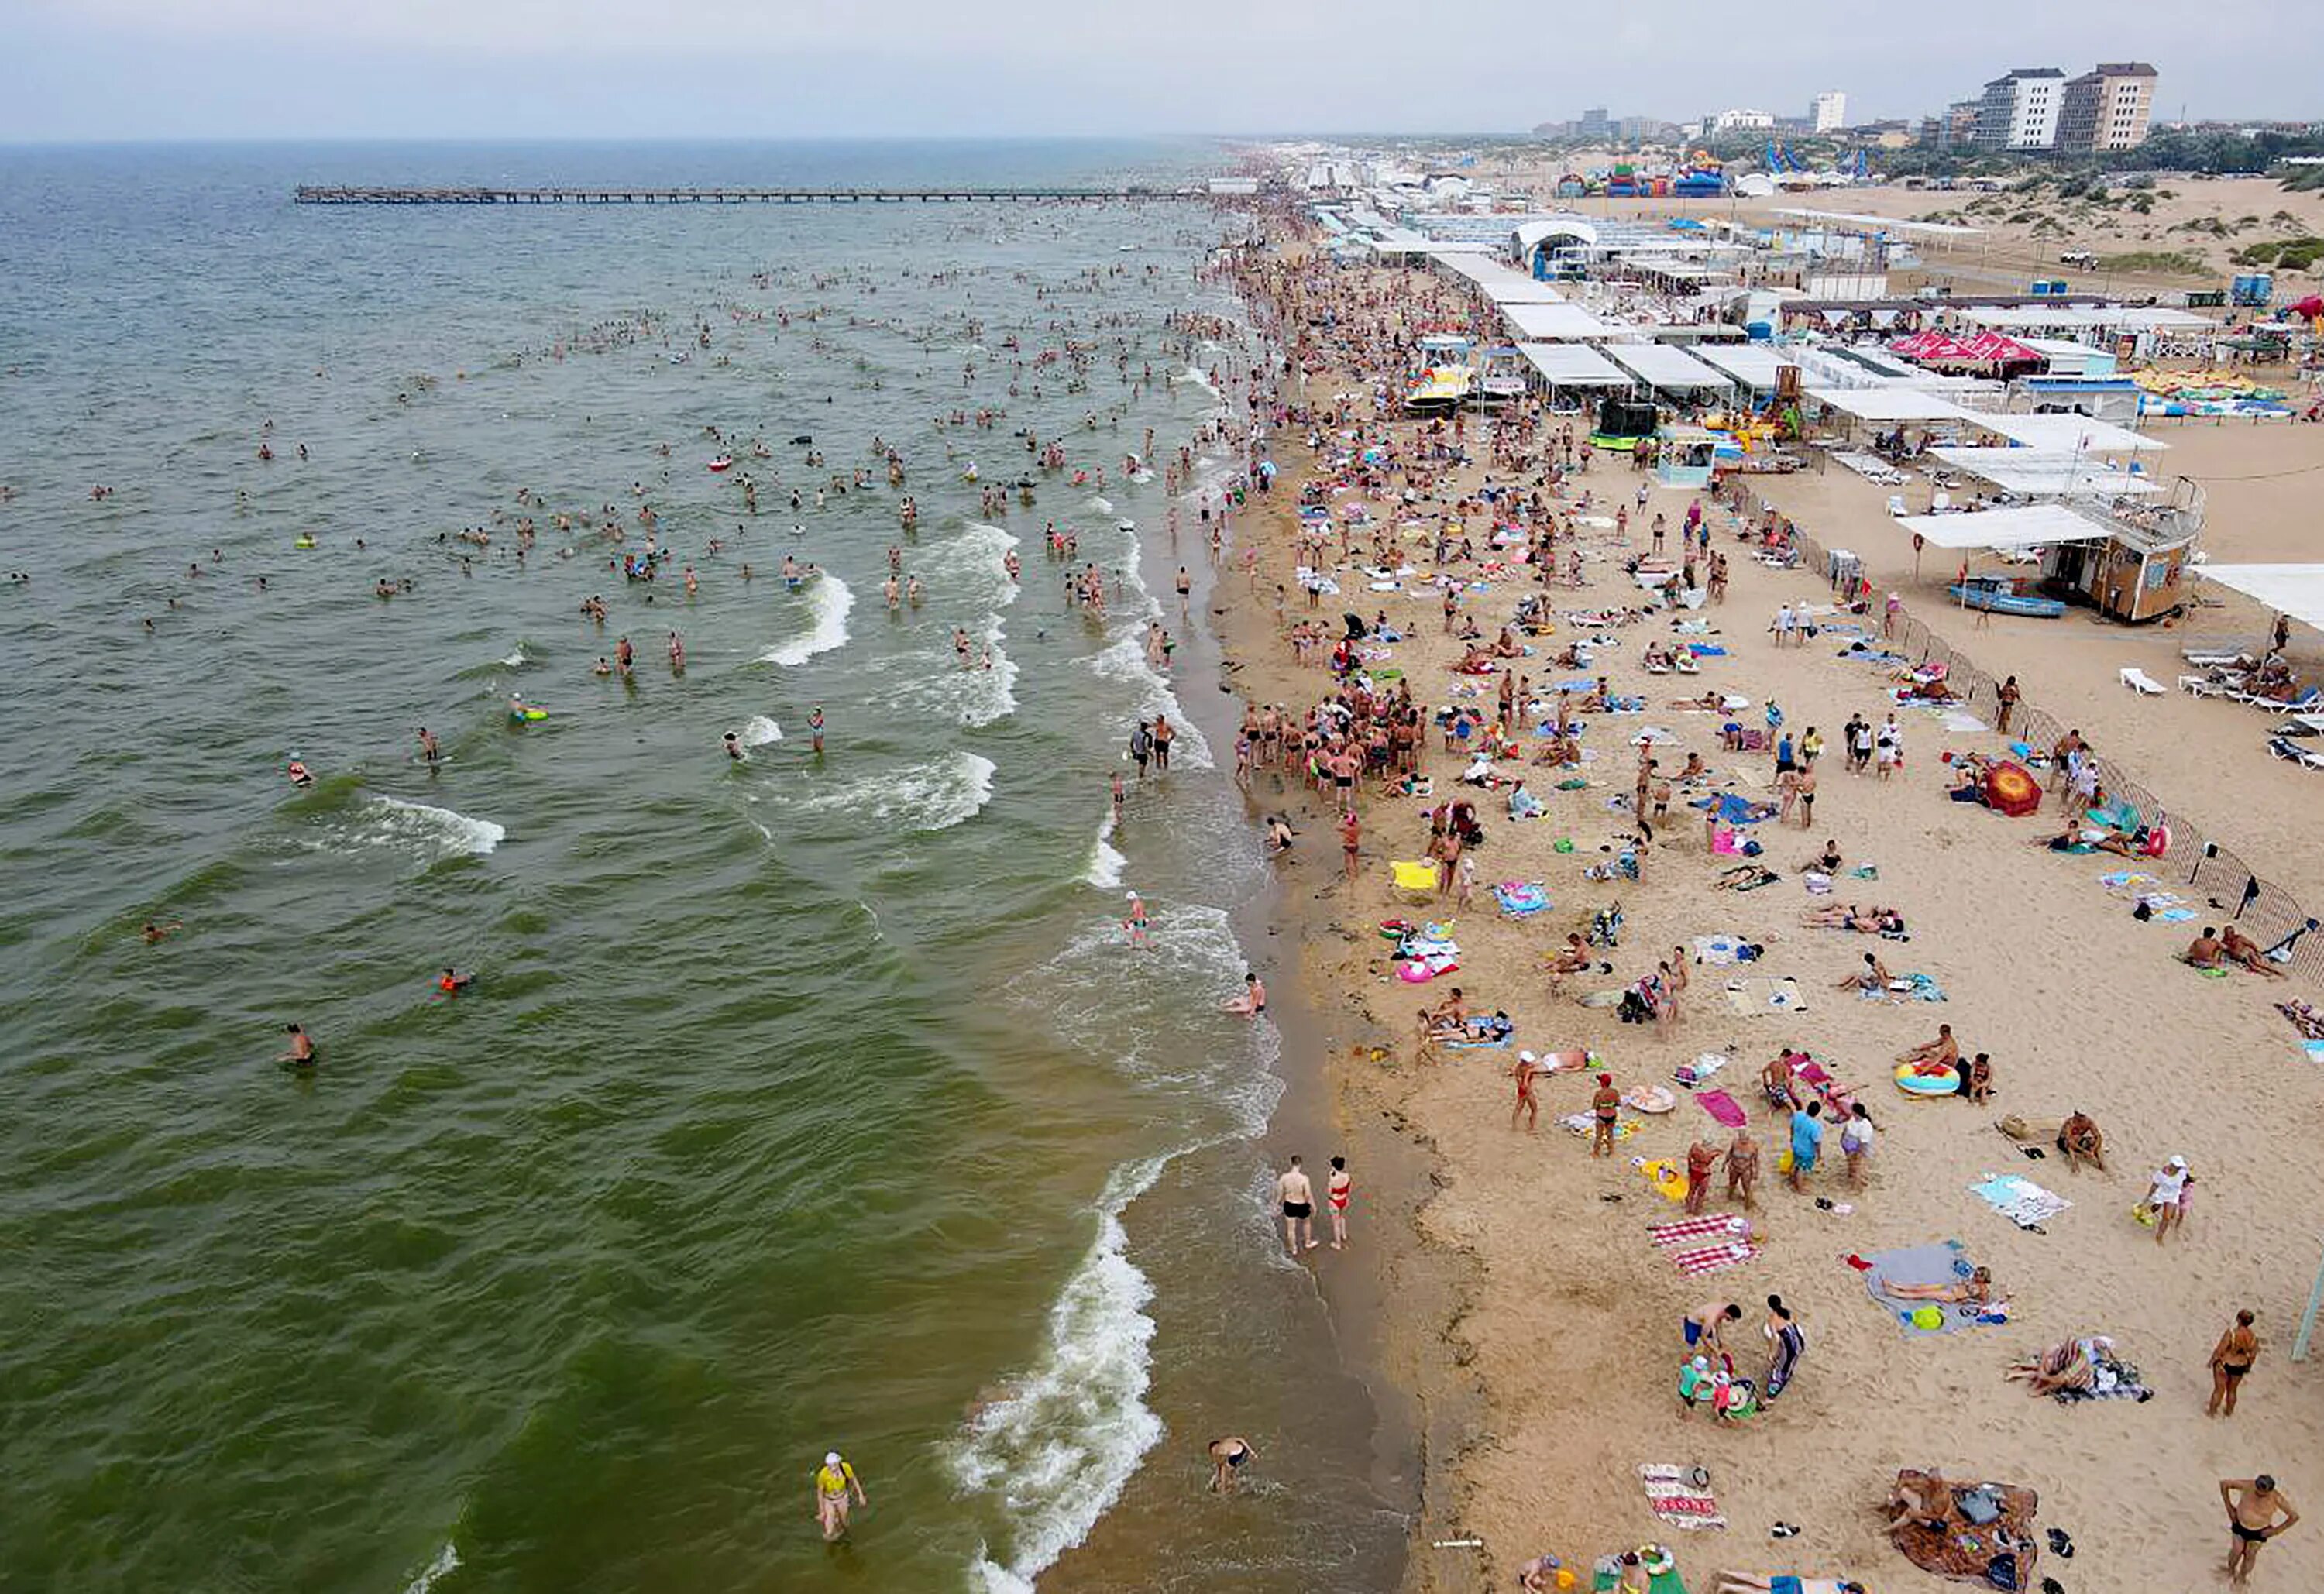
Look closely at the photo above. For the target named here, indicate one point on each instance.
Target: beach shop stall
(1685, 455)
(2119, 543)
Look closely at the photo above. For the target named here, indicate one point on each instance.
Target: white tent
(1555, 323)
(2070, 434)
(2297, 590)
(2034, 471)
(1574, 365)
(1659, 365)
(1889, 403)
(2035, 525)
(1753, 364)
(1501, 284)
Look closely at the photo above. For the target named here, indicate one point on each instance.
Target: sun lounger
(2297, 755)
(2140, 682)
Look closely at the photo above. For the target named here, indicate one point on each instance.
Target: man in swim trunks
(155, 932)
(1337, 1188)
(1252, 1002)
(428, 748)
(1227, 1457)
(1352, 831)
(2231, 1358)
(1702, 1324)
(2252, 1505)
(1736, 1582)
(2081, 1140)
(835, 1483)
(1298, 1199)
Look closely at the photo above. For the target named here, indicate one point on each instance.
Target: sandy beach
(1568, 1338)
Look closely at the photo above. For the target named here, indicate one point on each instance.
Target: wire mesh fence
(2196, 862)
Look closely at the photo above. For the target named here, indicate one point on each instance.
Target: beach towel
(1723, 1107)
(2093, 1372)
(1520, 899)
(1676, 1501)
(1668, 1178)
(1583, 1124)
(1704, 1065)
(1715, 1259)
(2021, 1201)
(1661, 1582)
(1907, 988)
(1999, 1555)
(1759, 996)
(1413, 876)
(1691, 1232)
(1959, 720)
(1720, 951)
(1926, 1264)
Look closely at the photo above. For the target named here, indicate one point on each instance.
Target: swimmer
(835, 1483)
(734, 745)
(301, 1053)
(300, 776)
(452, 984)
(428, 748)
(602, 668)
(155, 932)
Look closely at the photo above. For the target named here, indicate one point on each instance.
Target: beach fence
(2198, 865)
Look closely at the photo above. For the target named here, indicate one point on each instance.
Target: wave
(1198, 379)
(759, 729)
(976, 554)
(1124, 660)
(828, 602)
(1100, 503)
(1106, 861)
(446, 1561)
(518, 659)
(935, 796)
(1061, 1447)
(422, 829)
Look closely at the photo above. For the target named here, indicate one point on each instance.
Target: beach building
(2019, 110)
(2107, 107)
(1830, 111)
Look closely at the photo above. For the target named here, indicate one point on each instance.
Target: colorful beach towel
(2021, 1201)
(1705, 1065)
(1521, 899)
(1583, 1124)
(1907, 988)
(1723, 1107)
(1683, 1504)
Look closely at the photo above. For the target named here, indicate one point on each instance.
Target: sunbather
(1976, 1290)
(1944, 1049)
(2065, 1366)
(1873, 976)
(2205, 951)
(2241, 948)
(1709, 702)
(1921, 1499)
(1736, 1582)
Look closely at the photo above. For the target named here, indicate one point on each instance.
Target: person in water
(428, 748)
(734, 745)
(300, 776)
(1227, 1458)
(452, 984)
(301, 1053)
(834, 1484)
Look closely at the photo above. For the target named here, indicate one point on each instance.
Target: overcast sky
(94, 70)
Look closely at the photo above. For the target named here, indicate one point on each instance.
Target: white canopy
(2131, 318)
(1751, 363)
(1555, 323)
(1501, 284)
(2032, 470)
(2035, 525)
(1889, 403)
(2297, 590)
(1658, 364)
(2070, 434)
(1574, 365)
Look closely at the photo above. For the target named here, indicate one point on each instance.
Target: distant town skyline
(102, 69)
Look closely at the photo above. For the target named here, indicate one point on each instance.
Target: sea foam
(434, 833)
(828, 602)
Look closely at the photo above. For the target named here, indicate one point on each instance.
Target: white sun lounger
(2140, 682)
(2300, 756)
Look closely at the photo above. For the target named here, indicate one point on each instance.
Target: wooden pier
(318, 194)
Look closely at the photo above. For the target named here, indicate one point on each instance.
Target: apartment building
(2107, 107)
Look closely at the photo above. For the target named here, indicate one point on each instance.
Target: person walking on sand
(1606, 1105)
(2166, 1196)
(1807, 1141)
(835, 1483)
(1227, 1458)
(1351, 832)
(2252, 1505)
(1298, 1198)
(1337, 1188)
(1742, 1160)
(1528, 1107)
(2231, 1358)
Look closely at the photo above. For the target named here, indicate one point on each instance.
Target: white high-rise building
(1831, 112)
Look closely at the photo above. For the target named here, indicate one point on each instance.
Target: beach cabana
(1927, 346)
(2070, 434)
(1553, 323)
(1563, 367)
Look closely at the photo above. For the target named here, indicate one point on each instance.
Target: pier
(321, 194)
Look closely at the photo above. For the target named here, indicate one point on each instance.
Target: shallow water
(799, 1101)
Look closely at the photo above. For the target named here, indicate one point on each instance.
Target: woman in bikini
(1336, 1191)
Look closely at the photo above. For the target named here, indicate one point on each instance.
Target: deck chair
(2297, 755)
(2139, 681)
(1896, 505)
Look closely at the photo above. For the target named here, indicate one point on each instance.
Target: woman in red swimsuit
(1336, 1191)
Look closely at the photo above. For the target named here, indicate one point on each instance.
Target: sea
(799, 1102)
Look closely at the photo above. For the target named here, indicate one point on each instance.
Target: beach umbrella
(2010, 788)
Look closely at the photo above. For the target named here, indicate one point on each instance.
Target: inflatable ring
(1938, 1081)
(1657, 1559)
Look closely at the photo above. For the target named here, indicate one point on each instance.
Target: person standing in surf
(1298, 1199)
(1227, 1457)
(815, 728)
(835, 1483)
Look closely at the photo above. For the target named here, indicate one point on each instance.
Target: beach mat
(1661, 1582)
(1924, 1263)
(1723, 1107)
(1760, 996)
(1676, 1501)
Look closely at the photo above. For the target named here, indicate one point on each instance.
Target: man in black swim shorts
(1298, 1199)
